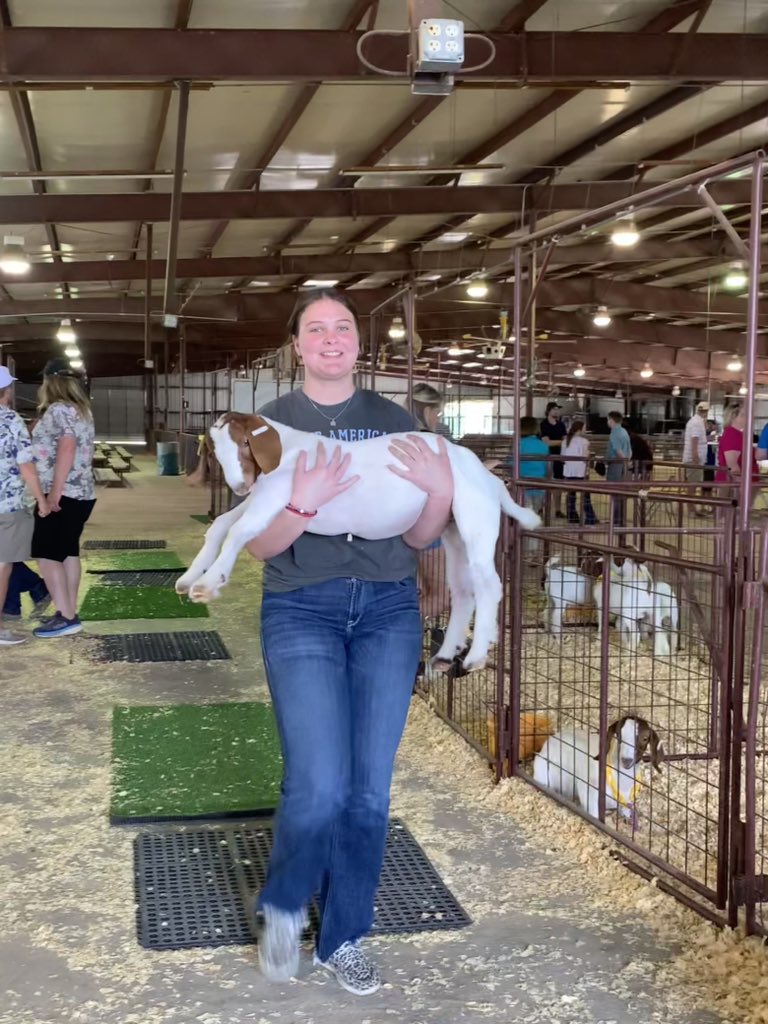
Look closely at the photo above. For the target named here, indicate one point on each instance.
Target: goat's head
(634, 736)
(245, 447)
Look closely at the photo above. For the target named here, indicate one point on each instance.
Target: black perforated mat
(186, 645)
(123, 545)
(198, 887)
(142, 578)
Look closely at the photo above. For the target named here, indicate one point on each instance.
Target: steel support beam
(128, 54)
(338, 203)
(170, 301)
(448, 261)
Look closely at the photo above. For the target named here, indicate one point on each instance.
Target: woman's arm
(312, 488)
(732, 461)
(65, 460)
(431, 472)
(28, 472)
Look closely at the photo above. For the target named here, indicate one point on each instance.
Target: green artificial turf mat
(192, 760)
(103, 602)
(127, 560)
(201, 519)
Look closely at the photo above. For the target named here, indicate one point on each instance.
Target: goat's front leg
(214, 537)
(462, 598)
(208, 587)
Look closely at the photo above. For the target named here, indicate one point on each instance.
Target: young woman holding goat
(341, 637)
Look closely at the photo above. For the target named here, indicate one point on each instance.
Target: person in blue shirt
(532, 468)
(618, 455)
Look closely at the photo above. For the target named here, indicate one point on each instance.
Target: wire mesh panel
(467, 701)
(620, 645)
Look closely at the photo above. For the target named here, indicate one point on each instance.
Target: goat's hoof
(200, 594)
(439, 664)
(474, 664)
(182, 586)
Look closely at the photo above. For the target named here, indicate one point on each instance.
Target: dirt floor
(561, 933)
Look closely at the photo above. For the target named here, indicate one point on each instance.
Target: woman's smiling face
(327, 341)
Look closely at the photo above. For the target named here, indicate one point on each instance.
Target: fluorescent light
(397, 329)
(625, 234)
(457, 350)
(477, 289)
(602, 317)
(65, 333)
(453, 236)
(13, 259)
(579, 371)
(734, 365)
(647, 371)
(736, 278)
(312, 283)
(743, 389)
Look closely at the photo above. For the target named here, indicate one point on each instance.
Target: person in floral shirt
(63, 441)
(17, 469)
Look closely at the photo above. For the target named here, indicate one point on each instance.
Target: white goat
(565, 587)
(568, 764)
(258, 457)
(641, 606)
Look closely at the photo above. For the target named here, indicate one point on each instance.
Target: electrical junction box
(440, 45)
(169, 320)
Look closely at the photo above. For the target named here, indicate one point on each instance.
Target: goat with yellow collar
(568, 764)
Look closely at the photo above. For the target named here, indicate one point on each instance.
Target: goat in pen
(258, 457)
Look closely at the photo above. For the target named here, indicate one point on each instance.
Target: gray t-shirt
(315, 559)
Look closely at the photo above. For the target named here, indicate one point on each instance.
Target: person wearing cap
(63, 438)
(17, 469)
(695, 450)
(552, 432)
(427, 408)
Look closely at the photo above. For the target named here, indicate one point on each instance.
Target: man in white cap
(17, 469)
(695, 449)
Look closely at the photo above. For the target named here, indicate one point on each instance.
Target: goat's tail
(527, 518)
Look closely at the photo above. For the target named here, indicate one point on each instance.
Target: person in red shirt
(731, 447)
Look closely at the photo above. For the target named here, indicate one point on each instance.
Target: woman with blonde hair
(63, 438)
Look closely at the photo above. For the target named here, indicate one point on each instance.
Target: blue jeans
(341, 658)
(22, 579)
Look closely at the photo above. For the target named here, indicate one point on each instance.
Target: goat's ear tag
(259, 430)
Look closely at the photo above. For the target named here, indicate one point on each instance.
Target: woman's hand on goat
(429, 470)
(315, 487)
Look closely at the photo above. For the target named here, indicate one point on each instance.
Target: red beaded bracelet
(300, 511)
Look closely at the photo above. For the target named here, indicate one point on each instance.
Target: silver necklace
(338, 415)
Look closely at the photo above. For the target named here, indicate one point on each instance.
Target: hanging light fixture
(602, 317)
(65, 333)
(734, 364)
(579, 371)
(625, 234)
(72, 352)
(736, 278)
(397, 329)
(676, 391)
(13, 259)
(477, 289)
(76, 364)
(619, 394)
(647, 371)
(743, 389)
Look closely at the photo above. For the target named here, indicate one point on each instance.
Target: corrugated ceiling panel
(94, 13)
(227, 125)
(313, 150)
(250, 237)
(87, 130)
(269, 14)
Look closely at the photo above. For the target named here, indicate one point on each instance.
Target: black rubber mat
(187, 645)
(142, 577)
(123, 545)
(198, 887)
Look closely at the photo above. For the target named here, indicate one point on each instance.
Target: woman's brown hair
(576, 426)
(306, 299)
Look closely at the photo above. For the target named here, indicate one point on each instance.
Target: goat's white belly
(372, 509)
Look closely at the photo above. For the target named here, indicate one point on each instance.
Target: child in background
(532, 468)
(576, 446)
